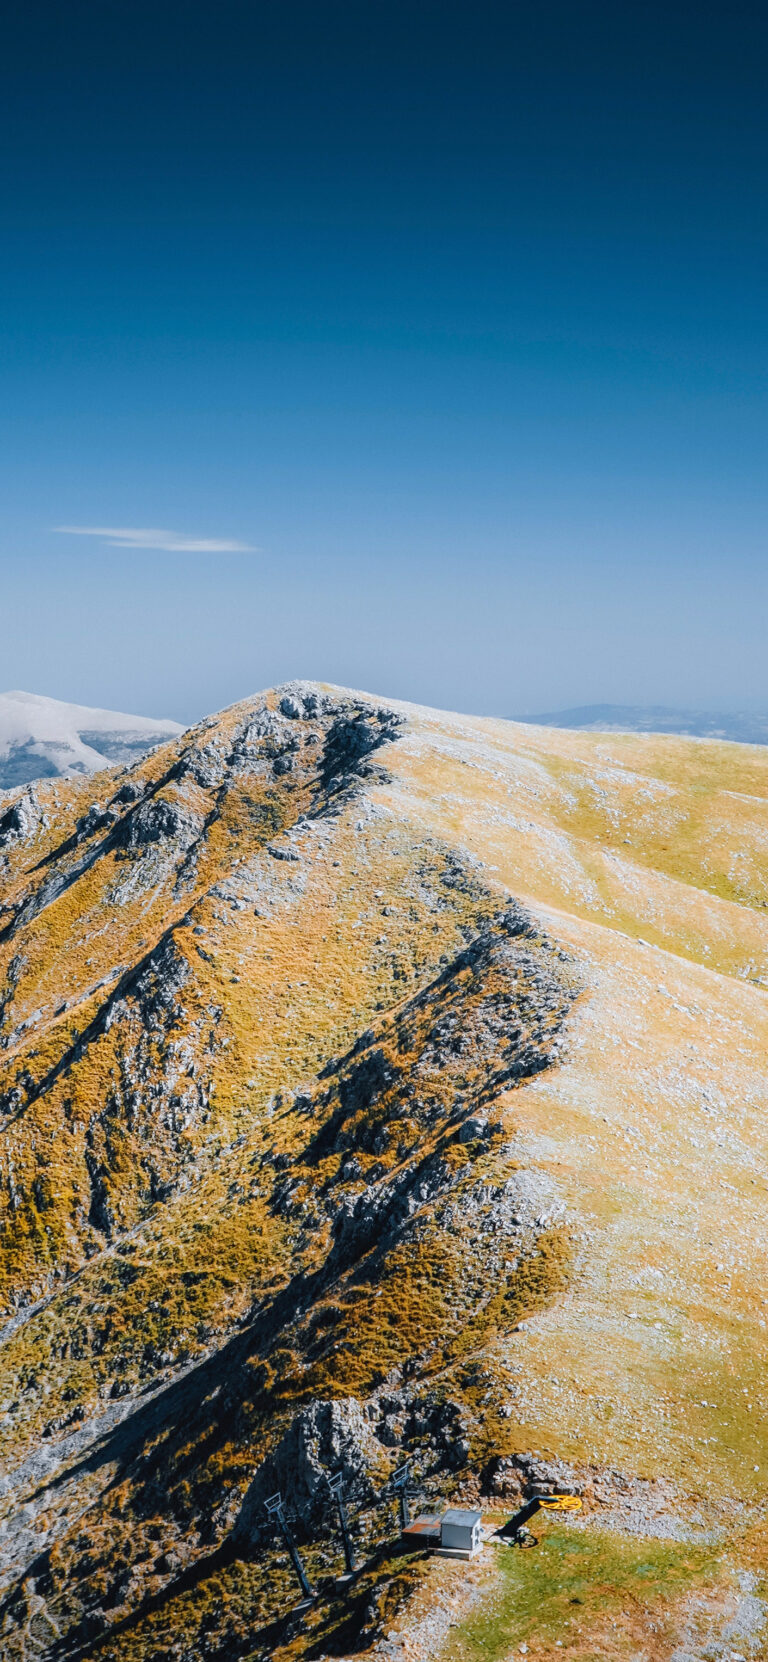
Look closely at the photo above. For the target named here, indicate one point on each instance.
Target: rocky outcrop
(323, 1438)
(154, 821)
(19, 822)
(353, 735)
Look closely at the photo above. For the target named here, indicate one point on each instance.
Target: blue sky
(451, 317)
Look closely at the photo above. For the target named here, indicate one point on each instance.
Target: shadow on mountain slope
(408, 1251)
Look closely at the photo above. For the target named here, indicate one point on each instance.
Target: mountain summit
(382, 1083)
(41, 737)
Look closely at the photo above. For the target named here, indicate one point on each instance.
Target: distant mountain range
(740, 728)
(42, 737)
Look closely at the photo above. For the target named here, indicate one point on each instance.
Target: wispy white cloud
(167, 542)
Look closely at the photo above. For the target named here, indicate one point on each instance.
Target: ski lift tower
(400, 1482)
(274, 1509)
(336, 1486)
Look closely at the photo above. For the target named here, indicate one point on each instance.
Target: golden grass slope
(172, 989)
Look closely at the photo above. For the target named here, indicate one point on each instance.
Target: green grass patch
(570, 1582)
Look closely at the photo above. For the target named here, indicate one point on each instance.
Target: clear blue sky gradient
(457, 312)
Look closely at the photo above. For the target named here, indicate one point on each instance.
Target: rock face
(325, 1437)
(20, 820)
(152, 822)
(350, 739)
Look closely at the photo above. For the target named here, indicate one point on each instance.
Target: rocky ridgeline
(407, 1230)
(325, 743)
(308, 756)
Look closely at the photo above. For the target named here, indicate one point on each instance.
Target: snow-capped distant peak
(41, 737)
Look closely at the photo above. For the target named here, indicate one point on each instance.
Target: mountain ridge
(379, 1080)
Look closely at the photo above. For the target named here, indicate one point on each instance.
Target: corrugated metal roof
(425, 1525)
(456, 1515)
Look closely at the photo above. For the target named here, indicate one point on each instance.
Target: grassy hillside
(373, 1079)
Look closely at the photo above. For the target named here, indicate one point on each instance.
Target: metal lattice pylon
(400, 1482)
(274, 1509)
(336, 1486)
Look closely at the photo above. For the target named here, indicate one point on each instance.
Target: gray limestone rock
(153, 822)
(324, 1437)
(20, 820)
(474, 1127)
